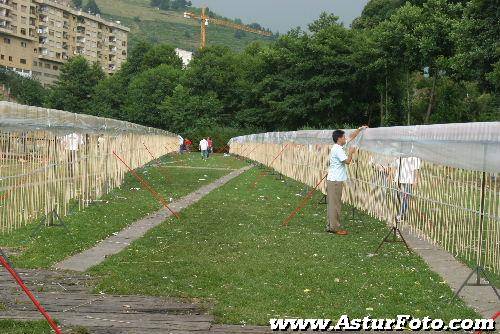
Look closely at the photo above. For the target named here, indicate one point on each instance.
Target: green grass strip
(232, 250)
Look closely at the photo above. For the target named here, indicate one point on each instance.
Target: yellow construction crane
(205, 20)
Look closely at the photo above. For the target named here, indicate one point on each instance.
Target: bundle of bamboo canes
(46, 165)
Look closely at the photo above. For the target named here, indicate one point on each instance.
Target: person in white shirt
(204, 148)
(181, 144)
(72, 143)
(406, 174)
(337, 175)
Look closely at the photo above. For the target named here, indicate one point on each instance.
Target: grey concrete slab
(480, 298)
(119, 241)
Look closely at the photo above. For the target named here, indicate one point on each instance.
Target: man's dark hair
(337, 134)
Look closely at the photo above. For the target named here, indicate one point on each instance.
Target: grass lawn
(231, 250)
(35, 327)
(22, 327)
(159, 26)
(113, 212)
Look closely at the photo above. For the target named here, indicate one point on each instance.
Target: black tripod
(395, 231)
(479, 270)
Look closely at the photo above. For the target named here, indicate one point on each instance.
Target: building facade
(38, 36)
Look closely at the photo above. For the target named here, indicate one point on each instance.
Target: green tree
(183, 111)
(146, 93)
(92, 7)
(75, 87)
(477, 43)
(77, 3)
(217, 71)
(162, 54)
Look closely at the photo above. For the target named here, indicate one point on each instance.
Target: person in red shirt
(188, 144)
(210, 145)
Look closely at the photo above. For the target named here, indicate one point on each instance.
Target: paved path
(67, 297)
(116, 243)
(480, 298)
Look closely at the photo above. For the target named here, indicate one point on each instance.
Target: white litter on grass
(226, 155)
(202, 179)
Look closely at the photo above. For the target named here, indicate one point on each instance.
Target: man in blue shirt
(337, 175)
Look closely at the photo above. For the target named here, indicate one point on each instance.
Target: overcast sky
(282, 15)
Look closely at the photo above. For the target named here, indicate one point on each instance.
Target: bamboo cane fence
(51, 159)
(456, 208)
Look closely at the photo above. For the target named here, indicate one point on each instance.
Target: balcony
(112, 67)
(80, 40)
(42, 40)
(65, 45)
(43, 51)
(5, 14)
(5, 26)
(112, 39)
(5, 4)
(43, 31)
(112, 49)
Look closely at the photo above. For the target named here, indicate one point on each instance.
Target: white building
(186, 56)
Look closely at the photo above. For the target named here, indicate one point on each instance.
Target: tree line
(417, 62)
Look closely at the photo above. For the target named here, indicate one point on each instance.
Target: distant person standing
(204, 148)
(337, 175)
(72, 143)
(181, 144)
(210, 146)
(406, 175)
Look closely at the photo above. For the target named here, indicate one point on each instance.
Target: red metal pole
(221, 149)
(23, 286)
(152, 156)
(251, 151)
(303, 203)
(270, 165)
(145, 184)
(494, 317)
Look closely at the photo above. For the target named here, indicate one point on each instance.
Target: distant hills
(160, 26)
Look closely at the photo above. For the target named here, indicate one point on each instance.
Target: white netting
(471, 146)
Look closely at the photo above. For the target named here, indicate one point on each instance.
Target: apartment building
(38, 36)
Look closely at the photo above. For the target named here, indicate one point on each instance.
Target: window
(6, 40)
(55, 67)
(23, 61)
(35, 63)
(2, 57)
(47, 65)
(24, 8)
(35, 50)
(10, 58)
(24, 44)
(23, 31)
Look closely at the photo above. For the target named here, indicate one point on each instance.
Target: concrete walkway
(116, 243)
(480, 298)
